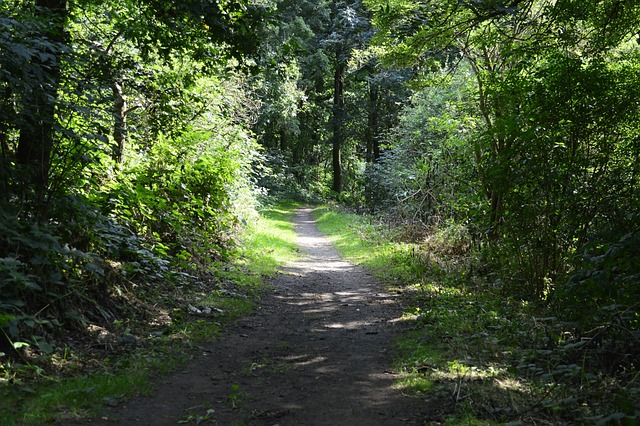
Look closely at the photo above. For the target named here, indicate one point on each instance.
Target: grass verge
(361, 241)
(471, 351)
(114, 365)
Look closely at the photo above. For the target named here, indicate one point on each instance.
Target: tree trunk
(284, 142)
(36, 134)
(120, 123)
(495, 215)
(373, 149)
(338, 122)
(5, 159)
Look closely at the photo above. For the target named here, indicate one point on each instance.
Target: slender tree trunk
(5, 159)
(284, 142)
(35, 142)
(120, 123)
(495, 216)
(373, 149)
(338, 122)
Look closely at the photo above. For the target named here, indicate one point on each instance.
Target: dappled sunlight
(323, 303)
(338, 327)
(328, 369)
(511, 384)
(415, 384)
(292, 407)
(330, 366)
(317, 265)
(350, 325)
(314, 360)
(307, 241)
(456, 370)
(401, 318)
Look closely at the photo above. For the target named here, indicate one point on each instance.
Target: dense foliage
(512, 120)
(127, 157)
(522, 142)
(542, 129)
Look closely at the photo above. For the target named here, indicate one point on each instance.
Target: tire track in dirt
(317, 352)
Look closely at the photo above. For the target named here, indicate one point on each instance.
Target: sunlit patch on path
(341, 321)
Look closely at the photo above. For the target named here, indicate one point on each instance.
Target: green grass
(448, 347)
(366, 244)
(59, 399)
(266, 245)
(270, 242)
(475, 352)
(81, 396)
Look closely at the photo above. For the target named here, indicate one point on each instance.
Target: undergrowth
(154, 330)
(477, 354)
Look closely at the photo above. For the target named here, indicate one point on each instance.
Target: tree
(350, 29)
(196, 29)
(39, 107)
(291, 89)
(534, 161)
(73, 226)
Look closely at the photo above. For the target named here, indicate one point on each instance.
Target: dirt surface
(317, 352)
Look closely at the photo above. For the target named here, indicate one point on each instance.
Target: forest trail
(317, 352)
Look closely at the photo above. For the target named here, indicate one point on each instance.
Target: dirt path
(318, 352)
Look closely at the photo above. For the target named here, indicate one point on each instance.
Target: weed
(236, 396)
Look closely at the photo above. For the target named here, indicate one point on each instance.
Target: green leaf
(93, 268)
(611, 419)
(5, 319)
(42, 344)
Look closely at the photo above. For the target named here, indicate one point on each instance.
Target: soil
(318, 351)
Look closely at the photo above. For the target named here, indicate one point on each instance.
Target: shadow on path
(317, 352)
